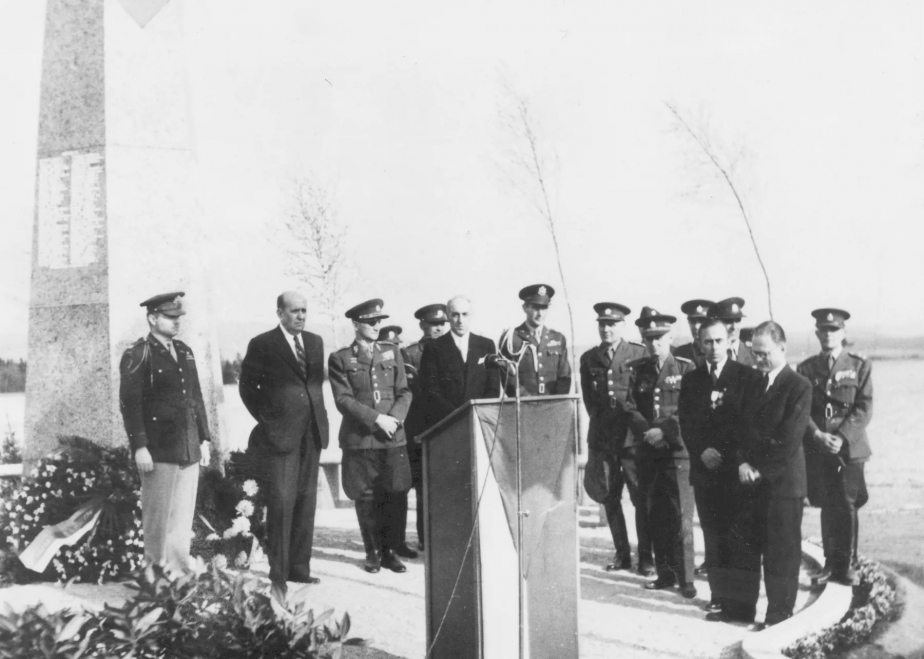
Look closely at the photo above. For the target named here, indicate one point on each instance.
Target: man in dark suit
(771, 467)
(167, 429)
(606, 371)
(433, 320)
(371, 391)
(711, 424)
(836, 444)
(280, 384)
(453, 370)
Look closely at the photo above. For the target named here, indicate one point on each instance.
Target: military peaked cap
(727, 309)
(830, 318)
(168, 304)
(368, 310)
(697, 308)
(435, 314)
(389, 333)
(537, 294)
(654, 323)
(611, 311)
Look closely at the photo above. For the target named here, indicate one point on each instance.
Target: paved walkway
(618, 617)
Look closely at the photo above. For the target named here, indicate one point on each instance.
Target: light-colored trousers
(168, 503)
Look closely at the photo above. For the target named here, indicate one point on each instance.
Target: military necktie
(172, 351)
(609, 353)
(831, 361)
(300, 355)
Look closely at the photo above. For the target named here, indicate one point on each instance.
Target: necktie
(300, 355)
(715, 378)
(831, 361)
(765, 383)
(610, 352)
(172, 350)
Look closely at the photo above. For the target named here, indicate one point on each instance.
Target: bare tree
(725, 165)
(528, 163)
(317, 248)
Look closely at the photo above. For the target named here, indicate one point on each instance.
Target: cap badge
(378, 307)
(699, 310)
(735, 308)
(176, 300)
(830, 316)
(542, 290)
(653, 325)
(609, 312)
(391, 335)
(439, 313)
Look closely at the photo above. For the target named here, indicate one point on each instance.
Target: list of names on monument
(71, 210)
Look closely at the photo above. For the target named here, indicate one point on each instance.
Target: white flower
(245, 508)
(250, 487)
(220, 561)
(240, 526)
(212, 536)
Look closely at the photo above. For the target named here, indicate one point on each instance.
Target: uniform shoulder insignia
(635, 363)
(683, 359)
(636, 343)
(862, 358)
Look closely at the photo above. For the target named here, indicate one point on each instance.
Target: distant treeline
(12, 376)
(231, 371)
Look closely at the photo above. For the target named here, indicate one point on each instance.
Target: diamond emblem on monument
(142, 11)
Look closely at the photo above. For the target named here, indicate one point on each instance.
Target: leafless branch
(316, 248)
(527, 169)
(703, 139)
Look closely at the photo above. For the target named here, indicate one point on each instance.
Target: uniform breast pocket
(387, 372)
(357, 377)
(846, 391)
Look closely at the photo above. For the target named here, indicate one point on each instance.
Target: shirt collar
(837, 352)
(771, 376)
(461, 341)
(719, 367)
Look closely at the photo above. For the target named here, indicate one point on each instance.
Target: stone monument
(116, 217)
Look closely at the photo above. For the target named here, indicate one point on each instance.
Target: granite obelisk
(116, 216)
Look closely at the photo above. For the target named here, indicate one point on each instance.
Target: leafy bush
(875, 600)
(205, 615)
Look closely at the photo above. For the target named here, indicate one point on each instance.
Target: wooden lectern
(490, 596)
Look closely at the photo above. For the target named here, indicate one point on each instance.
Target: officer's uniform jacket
(605, 386)
(412, 356)
(842, 403)
(366, 386)
(689, 352)
(657, 397)
(161, 402)
(744, 355)
(544, 369)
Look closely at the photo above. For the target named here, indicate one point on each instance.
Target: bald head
(292, 308)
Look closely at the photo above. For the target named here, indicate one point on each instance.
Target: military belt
(376, 396)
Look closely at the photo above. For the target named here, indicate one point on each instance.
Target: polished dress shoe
(660, 583)
(625, 564)
(845, 577)
(311, 580)
(725, 616)
(700, 570)
(646, 569)
(756, 627)
(392, 562)
(823, 577)
(372, 563)
(405, 552)
(713, 606)
(688, 591)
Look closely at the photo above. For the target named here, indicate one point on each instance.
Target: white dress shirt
(771, 376)
(290, 339)
(717, 369)
(461, 343)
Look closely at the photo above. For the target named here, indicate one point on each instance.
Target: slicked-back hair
(712, 322)
(281, 302)
(457, 298)
(773, 330)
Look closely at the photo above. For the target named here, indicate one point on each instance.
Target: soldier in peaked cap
(164, 416)
(729, 311)
(605, 385)
(433, 322)
(661, 456)
(836, 445)
(696, 312)
(390, 334)
(541, 353)
(371, 391)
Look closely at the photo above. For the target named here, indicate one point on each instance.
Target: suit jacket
(365, 387)
(446, 382)
(286, 403)
(605, 386)
(777, 420)
(842, 402)
(161, 401)
(545, 369)
(713, 417)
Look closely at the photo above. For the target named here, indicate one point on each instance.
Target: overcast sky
(394, 106)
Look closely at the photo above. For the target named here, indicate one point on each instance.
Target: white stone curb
(824, 612)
